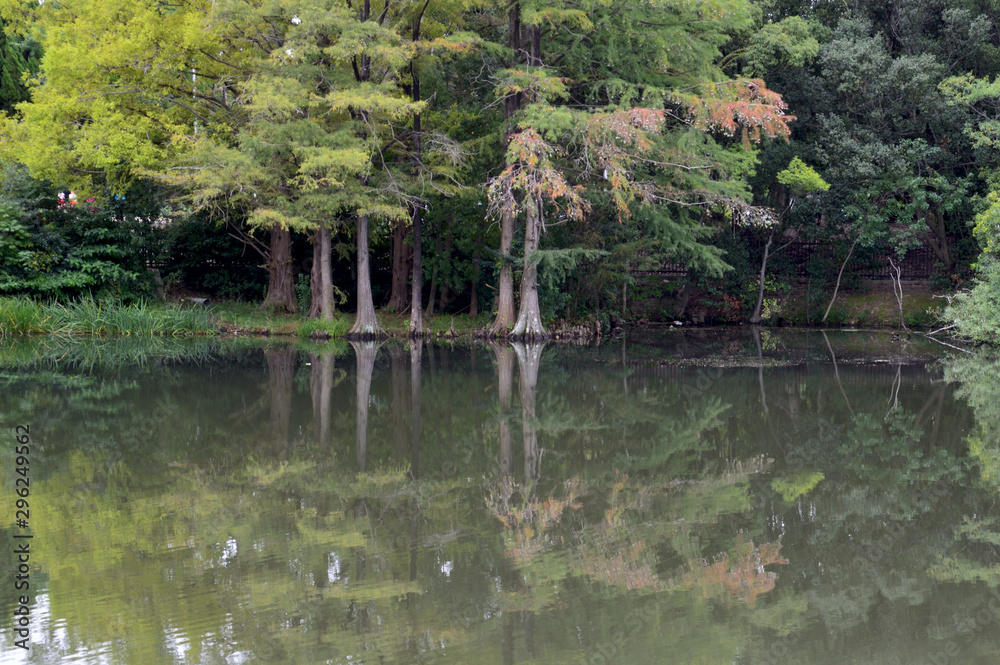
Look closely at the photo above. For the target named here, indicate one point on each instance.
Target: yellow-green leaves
(119, 80)
(801, 178)
(536, 84)
(373, 98)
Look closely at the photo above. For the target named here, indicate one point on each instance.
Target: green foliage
(789, 42)
(19, 60)
(555, 267)
(263, 120)
(987, 227)
(53, 250)
(800, 178)
(976, 313)
(337, 327)
(201, 255)
(103, 318)
(303, 294)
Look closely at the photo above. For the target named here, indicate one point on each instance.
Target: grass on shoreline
(22, 316)
(249, 318)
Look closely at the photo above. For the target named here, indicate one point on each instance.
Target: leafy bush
(52, 247)
(976, 313)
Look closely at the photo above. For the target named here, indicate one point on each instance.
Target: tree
(431, 43)
(128, 90)
(624, 90)
(799, 179)
(531, 174)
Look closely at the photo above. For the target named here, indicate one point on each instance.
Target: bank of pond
(194, 317)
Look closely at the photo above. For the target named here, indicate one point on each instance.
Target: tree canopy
(344, 141)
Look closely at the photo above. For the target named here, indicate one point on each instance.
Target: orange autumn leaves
(745, 106)
(608, 147)
(611, 143)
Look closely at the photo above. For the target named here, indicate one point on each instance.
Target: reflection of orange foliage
(526, 523)
(612, 555)
(741, 576)
(614, 562)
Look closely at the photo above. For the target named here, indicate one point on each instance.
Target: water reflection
(416, 353)
(771, 499)
(365, 354)
(322, 380)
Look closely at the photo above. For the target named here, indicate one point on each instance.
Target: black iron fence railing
(917, 264)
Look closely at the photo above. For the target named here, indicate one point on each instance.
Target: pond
(674, 496)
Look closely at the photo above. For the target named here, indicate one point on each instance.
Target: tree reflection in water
(365, 354)
(823, 530)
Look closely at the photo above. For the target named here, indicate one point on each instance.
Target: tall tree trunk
(529, 319)
(504, 318)
(535, 57)
(327, 305)
(316, 279)
(280, 285)
(417, 279)
(366, 324)
(365, 353)
(417, 283)
(937, 238)
(505, 287)
(756, 316)
(401, 257)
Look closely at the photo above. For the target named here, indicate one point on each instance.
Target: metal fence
(918, 263)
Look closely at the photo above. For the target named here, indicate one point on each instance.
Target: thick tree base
(366, 336)
(529, 337)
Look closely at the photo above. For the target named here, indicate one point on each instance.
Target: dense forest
(516, 162)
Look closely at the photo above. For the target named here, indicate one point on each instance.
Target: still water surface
(679, 498)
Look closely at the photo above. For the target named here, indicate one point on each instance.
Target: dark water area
(675, 496)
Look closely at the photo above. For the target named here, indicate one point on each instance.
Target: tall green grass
(337, 327)
(20, 316)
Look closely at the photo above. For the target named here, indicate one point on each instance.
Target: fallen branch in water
(935, 339)
(940, 330)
